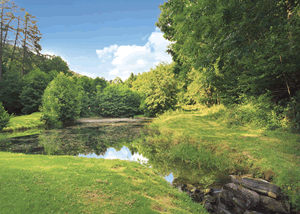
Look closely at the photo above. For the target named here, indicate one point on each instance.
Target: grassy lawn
(205, 141)
(24, 122)
(65, 184)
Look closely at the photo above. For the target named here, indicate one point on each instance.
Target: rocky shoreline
(244, 195)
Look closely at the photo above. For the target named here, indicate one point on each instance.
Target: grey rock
(257, 185)
(273, 205)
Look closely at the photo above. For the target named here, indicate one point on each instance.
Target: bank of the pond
(197, 147)
(64, 184)
(18, 123)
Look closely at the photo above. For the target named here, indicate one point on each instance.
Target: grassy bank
(201, 140)
(24, 122)
(61, 184)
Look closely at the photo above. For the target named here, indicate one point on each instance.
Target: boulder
(258, 185)
(273, 205)
(238, 196)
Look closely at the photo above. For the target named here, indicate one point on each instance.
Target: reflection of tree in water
(82, 139)
(26, 144)
(88, 138)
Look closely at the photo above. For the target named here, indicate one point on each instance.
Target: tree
(4, 117)
(5, 19)
(158, 89)
(130, 80)
(55, 63)
(254, 42)
(117, 101)
(10, 90)
(61, 102)
(35, 82)
(31, 38)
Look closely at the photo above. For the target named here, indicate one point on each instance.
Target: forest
(239, 60)
(230, 53)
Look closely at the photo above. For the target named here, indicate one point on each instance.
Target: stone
(273, 205)
(252, 198)
(251, 212)
(222, 209)
(258, 185)
(240, 197)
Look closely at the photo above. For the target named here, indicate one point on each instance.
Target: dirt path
(112, 120)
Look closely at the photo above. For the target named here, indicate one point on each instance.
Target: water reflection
(123, 154)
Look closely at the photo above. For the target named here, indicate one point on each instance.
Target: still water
(90, 140)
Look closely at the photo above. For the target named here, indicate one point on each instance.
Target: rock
(252, 197)
(222, 209)
(251, 212)
(273, 205)
(258, 185)
(208, 206)
(232, 186)
(242, 198)
(210, 199)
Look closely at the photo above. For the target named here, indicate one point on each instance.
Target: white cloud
(113, 71)
(107, 52)
(133, 58)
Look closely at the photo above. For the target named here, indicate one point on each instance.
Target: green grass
(65, 184)
(199, 139)
(24, 122)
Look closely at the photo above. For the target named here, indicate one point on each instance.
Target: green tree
(117, 101)
(158, 88)
(61, 101)
(10, 90)
(55, 63)
(4, 117)
(254, 42)
(35, 82)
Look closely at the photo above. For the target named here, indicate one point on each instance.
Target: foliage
(35, 83)
(117, 101)
(158, 89)
(4, 117)
(55, 63)
(10, 89)
(183, 142)
(61, 101)
(236, 47)
(130, 80)
(89, 89)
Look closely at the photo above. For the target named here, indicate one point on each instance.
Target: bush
(61, 102)
(36, 82)
(4, 118)
(158, 89)
(117, 101)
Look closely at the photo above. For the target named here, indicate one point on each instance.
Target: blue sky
(101, 38)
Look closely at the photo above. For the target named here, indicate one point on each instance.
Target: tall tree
(5, 18)
(254, 42)
(31, 38)
(18, 30)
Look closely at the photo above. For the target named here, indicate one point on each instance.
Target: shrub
(158, 89)
(4, 118)
(61, 102)
(36, 82)
(117, 101)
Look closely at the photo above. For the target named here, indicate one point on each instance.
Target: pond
(103, 139)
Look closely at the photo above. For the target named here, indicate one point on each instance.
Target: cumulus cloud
(106, 53)
(137, 59)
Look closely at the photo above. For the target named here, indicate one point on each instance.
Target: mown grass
(64, 184)
(24, 122)
(202, 138)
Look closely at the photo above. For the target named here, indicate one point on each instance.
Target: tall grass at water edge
(240, 140)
